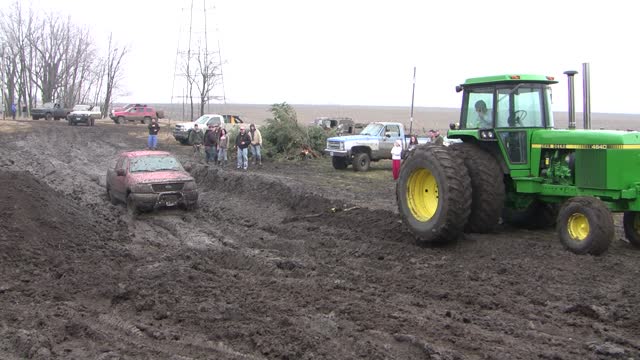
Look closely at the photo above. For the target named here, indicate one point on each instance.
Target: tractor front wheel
(585, 225)
(631, 224)
(433, 193)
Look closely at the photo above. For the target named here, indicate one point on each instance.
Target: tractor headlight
(487, 135)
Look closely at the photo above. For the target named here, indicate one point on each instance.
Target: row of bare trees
(46, 58)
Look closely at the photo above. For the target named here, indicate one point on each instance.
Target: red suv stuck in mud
(147, 180)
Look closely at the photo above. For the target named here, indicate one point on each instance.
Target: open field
(292, 260)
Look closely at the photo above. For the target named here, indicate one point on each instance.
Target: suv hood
(161, 177)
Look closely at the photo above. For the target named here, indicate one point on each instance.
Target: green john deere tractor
(512, 164)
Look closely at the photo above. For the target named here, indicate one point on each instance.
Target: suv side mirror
(187, 167)
(120, 172)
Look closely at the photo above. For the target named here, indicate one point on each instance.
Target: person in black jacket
(210, 144)
(243, 140)
(154, 128)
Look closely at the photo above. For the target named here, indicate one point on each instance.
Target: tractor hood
(585, 139)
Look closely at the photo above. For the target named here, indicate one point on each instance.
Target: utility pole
(194, 60)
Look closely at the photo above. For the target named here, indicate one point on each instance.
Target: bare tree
(15, 63)
(207, 76)
(49, 58)
(113, 72)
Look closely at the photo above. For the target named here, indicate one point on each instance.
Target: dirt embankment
(265, 269)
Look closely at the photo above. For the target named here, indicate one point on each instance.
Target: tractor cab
(504, 109)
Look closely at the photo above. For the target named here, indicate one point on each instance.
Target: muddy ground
(265, 270)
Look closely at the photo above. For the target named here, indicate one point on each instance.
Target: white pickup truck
(84, 114)
(181, 130)
(372, 144)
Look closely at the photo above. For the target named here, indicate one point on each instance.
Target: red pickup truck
(141, 113)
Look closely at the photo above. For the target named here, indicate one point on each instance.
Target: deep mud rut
(265, 270)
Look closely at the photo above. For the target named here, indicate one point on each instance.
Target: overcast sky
(363, 52)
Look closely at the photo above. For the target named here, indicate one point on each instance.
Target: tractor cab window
(520, 106)
(479, 110)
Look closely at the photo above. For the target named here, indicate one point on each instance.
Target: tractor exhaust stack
(572, 99)
(586, 98)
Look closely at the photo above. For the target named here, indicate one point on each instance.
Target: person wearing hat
(396, 158)
(436, 138)
(243, 140)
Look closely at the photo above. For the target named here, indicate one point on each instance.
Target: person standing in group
(396, 158)
(256, 144)
(14, 110)
(154, 128)
(436, 138)
(413, 142)
(223, 144)
(210, 144)
(243, 140)
(196, 138)
(216, 137)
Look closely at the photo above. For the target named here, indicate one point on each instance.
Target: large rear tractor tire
(631, 224)
(433, 193)
(339, 162)
(585, 225)
(361, 162)
(487, 187)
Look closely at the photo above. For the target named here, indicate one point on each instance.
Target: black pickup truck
(50, 111)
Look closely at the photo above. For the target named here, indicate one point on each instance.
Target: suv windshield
(154, 163)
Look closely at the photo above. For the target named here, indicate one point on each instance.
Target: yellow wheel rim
(422, 194)
(578, 226)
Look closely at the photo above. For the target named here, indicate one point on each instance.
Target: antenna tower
(197, 77)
